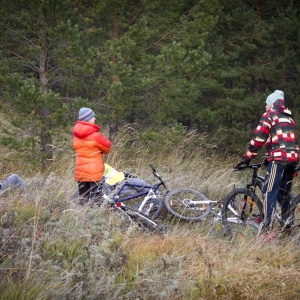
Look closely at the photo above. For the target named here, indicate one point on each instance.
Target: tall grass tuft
(51, 248)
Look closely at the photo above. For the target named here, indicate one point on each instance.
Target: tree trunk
(45, 134)
(114, 126)
(46, 140)
(113, 130)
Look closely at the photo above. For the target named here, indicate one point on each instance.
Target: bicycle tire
(178, 204)
(247, 215)
(97, 197)
(152, 208)
(296, 216)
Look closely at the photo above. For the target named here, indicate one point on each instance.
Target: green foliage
(133, 91)
(171, 135)
(32, 100)
(207, 65)
(151, 139)
(62, 250)
(27, 213)
(13, 143)
(27, 289)
(44, 58)
(247, 62)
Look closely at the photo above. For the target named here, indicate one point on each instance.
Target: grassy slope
(51, 249)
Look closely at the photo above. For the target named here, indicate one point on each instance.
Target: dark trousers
(278, 183)
(86, 187)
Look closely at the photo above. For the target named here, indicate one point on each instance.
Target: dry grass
(51, 249)
(205, 268)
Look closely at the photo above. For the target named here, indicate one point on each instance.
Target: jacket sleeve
(103, 143)
(261, 135)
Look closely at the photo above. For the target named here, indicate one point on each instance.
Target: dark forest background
(147, 67)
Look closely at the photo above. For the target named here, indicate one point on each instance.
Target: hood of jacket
(279, 105)
(83, 129)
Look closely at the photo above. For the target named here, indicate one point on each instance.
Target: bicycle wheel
(242, 213)
(97, 197)
(152, 207)
(187, 204)
(296, 220)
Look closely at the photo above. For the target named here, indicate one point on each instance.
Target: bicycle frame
(123, 208)
(152, 190)
(237, 219)
(189, 204)
(258, 181)
(151, 193)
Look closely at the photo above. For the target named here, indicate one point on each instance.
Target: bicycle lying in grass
(140, 215)
(243, 208)
(134, 215)
(192, 206)
(151, 204)
(143, 198)
(143, 202)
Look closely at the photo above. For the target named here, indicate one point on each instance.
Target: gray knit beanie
(85, 114)
(274, 96)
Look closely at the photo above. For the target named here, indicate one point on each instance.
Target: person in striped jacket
(277, 130)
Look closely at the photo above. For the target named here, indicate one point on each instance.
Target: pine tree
(149, 54)
(43, 58)
(254, 52)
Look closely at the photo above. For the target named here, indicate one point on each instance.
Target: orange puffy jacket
(89, 145)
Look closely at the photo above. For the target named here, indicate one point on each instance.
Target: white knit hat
(274, 96)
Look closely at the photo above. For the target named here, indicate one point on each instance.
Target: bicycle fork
(150, 195)
(243, 215)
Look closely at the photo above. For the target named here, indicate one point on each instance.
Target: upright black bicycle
(243, 209)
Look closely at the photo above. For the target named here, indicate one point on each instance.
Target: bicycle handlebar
(257, 166)
(152, 167)
(244, 167)
(155, 173)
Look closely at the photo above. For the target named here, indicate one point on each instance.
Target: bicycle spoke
(241, 213)
(187, 204)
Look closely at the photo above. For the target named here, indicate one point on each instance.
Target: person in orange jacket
(89, 145)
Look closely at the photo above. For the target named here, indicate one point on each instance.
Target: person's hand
(245, 161)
